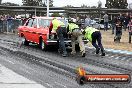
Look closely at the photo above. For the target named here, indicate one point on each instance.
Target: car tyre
(25, 42)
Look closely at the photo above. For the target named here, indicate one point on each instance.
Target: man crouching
(94, 35)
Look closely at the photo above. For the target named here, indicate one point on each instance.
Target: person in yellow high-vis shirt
(60, 28)
(76, 34)
(94, 35)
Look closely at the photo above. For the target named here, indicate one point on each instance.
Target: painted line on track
(115, 51)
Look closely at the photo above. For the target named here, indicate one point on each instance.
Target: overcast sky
(76, 3)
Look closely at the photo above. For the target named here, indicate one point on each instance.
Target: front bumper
(55, 42)
(67, 42)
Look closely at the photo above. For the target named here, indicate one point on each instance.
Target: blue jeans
(60, 33)
(105, 26)
(130, 35)
(113, 28)
(96, 36)
(1, 26)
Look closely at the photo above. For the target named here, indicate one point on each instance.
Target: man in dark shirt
(118, 31)
(126, 22)
(130, 30)
(113, 24)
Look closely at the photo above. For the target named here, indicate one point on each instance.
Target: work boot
(103, 54)
(97, 50)
(83, 54)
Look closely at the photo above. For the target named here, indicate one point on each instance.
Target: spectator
(78, 22)
(130, 30)
(87, 21)
(9, 22)
(118, 31)
(1, 23)
(121, 18)
(113, 24)
(126, 21)
(106, 19)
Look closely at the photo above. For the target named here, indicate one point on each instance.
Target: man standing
(76, 34)
(130, 30)
(126, 21)
(118, 32)
(59, 27)
(94, 35)
(114, 24)
(106, 19)
(87, 21)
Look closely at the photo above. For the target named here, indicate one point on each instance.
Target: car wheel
(25, 42)
(43, 46)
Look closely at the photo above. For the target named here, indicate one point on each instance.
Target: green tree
(68, 6)
(50, 3)
(31, 2)
(85, 6)
(99, 4)
(9, 11)
(67, 11)
(119, 4)
(9, 4)
(36, 2)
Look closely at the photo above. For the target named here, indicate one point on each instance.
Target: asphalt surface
(54, 71)
(10, 79)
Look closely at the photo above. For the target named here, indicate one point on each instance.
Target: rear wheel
(25, 42)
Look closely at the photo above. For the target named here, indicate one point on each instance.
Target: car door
(35, 33)
(43, 29)
(27, 30)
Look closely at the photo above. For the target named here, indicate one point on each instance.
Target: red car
(36, 30)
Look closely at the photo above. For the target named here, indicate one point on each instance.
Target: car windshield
(46, 22)
(43, 22)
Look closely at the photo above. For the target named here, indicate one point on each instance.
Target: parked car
(97, 20)
(99, 24)
(36, 30)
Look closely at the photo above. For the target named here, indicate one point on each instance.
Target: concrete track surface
(51, 70)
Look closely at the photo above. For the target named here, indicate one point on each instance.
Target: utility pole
(47, 8)
(99, 7)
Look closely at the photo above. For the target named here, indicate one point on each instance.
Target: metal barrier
(10, 25)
